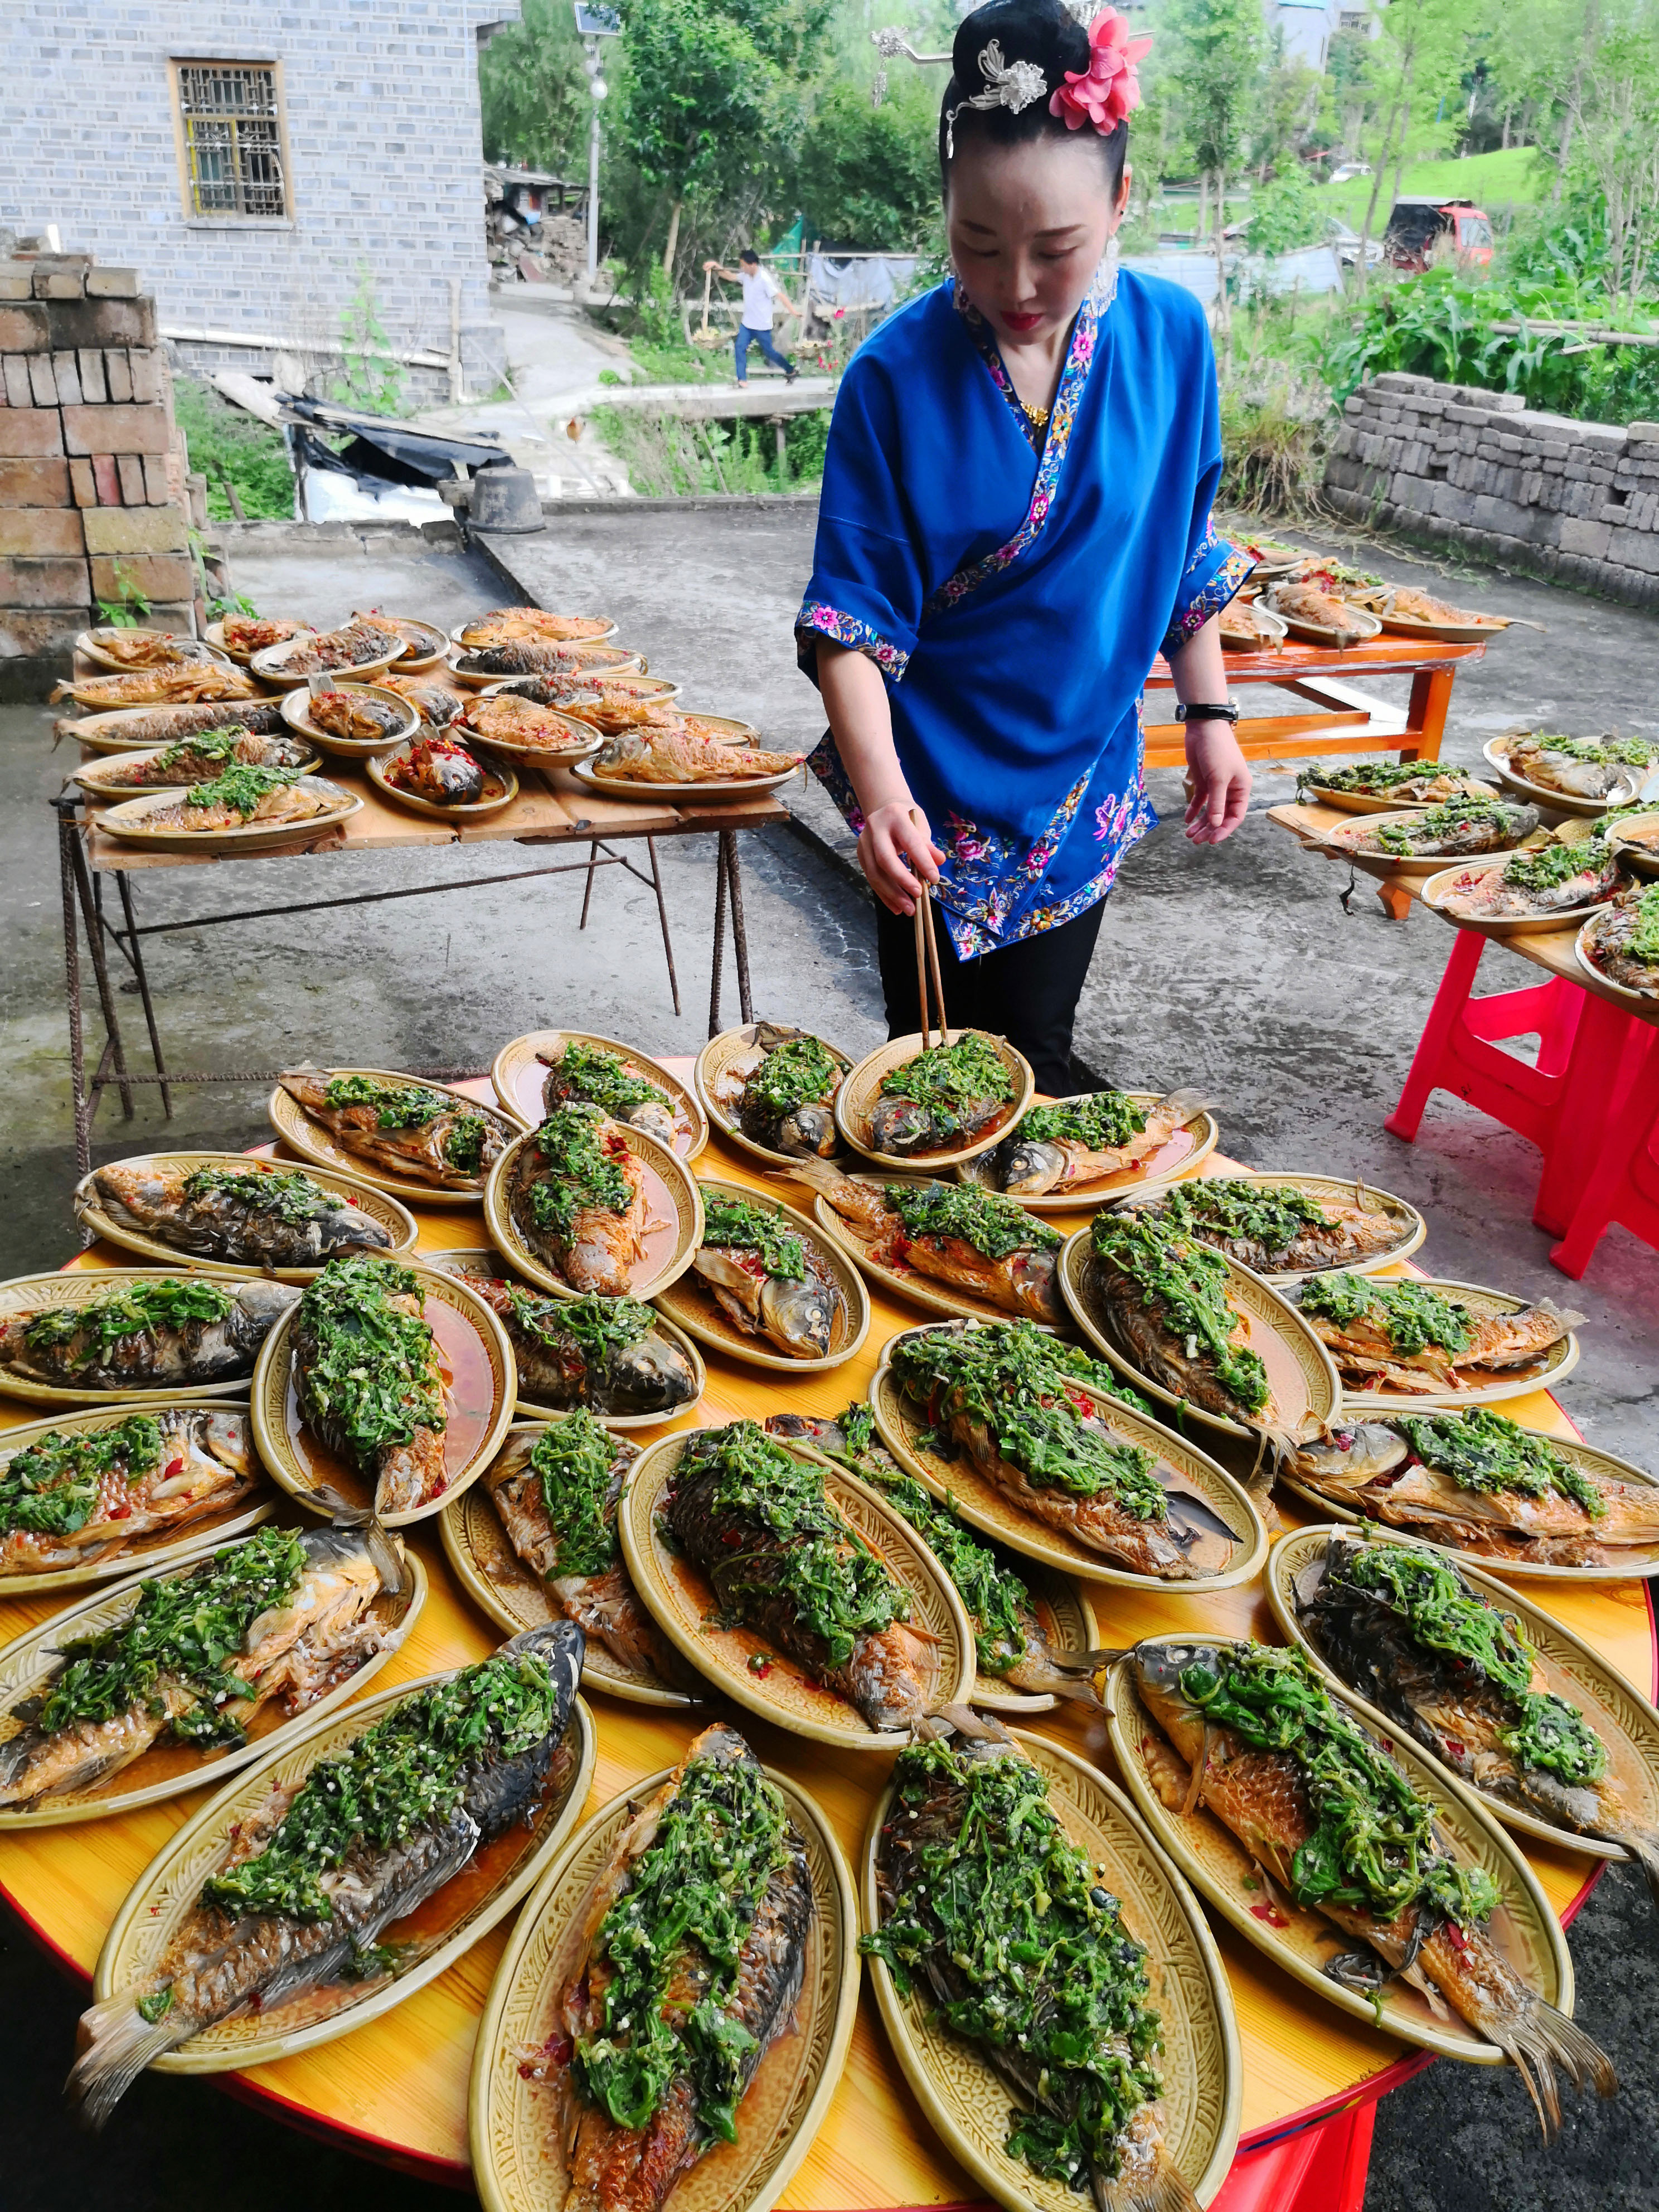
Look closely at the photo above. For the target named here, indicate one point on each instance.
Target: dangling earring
(1103, 290)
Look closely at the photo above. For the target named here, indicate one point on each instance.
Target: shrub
(229, 446)
(1288, 214)
(1273, 443)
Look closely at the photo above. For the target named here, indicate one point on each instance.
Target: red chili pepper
(1271, 1913)
(120, 1513)
(559, 2048)
(1456, 1749)
(175, 1467)
(731, 1539)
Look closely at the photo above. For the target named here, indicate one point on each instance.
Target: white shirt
(758, 292)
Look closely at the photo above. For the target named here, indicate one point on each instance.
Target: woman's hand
(895, 846)
(1218, 782)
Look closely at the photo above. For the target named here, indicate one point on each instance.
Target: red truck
(1416, 226)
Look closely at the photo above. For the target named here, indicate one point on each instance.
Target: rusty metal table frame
(84, 909)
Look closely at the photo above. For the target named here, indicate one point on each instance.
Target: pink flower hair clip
(1109, 91)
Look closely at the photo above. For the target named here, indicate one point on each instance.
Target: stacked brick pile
(93, 495)
(1575, 501)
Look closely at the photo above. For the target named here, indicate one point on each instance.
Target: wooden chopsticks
(928, 966)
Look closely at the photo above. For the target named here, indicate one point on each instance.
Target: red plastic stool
(1321, 2169)
(1622, 1181)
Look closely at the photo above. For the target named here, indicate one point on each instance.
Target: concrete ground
(1236, 969)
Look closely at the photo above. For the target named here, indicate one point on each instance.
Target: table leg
(720, 936)
(66, 835)
(593, 862)
(1449, 1002)
(1609, 1047)
(135, 957)
(1627, 1133)
(662, 916)
(1394, 901)
(1425, 716)
(739, 934)
(100, 970)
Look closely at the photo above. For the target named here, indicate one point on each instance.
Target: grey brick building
(260, 166)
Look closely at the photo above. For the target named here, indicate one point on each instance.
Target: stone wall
(94, 494)
(1577, 502)
(383, 170)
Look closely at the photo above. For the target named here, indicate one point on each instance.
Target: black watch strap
(1225, 712)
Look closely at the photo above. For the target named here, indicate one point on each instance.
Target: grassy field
(1491, 181)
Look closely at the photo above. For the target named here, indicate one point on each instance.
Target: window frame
(206, 219)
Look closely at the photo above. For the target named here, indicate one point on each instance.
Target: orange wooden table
(396, 2089)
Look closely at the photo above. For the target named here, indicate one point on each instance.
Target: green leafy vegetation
(126, 1309)
(1103, 1120)
(799, 1072)
(1222, 1208)
(288, 1192)
(995, 1226)
(1481, 1450)
(573, 1461)
(52, 1486)
(236, 453)
(737, 1225)
(1185, 1284)
(370, 1375)
(583, 1168)
(1410, 1316)
(958, 1074)
(603, 1079)
(239, 788)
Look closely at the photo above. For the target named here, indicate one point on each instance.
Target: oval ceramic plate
(899, 1278)
(735, 787)
(514, 1597)
(1554, 1366)
(1300, 1941)
(1300, 1372)
(1183, 1470)
(519, 1073)
(607, 659)
(857, 1097)
(112, 730)
(1366, 802)
(296, 713)
(29, 1665)
(130, 821)
(1642, 1001)
(579, 739)
(673, 1205)
(301, 1134)
(1346, 840)
(719, 1074)
(98, 778)
(253, 1503)
(656, 690)
(215, 634)
(270, 665)
(577, 629)
(1196, 1140)
(1445, 893)
(1635, 840)
(1328, 1190)
(425, 643)
(513, 2124)
(479, 1390)
(1626, 1562)
(968, 2103)
(485, 1259)
(691, 1301)
(91, 1212)
(91, 645)
(77, 1288)
(678, 1598)
(447, 1925)
(1267, 634)
(501, 789)
(1545, 795)
(1359, 628)
(1625, 1721)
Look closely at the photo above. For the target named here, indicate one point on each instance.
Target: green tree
(868, 177)
(1422, 55)
(1218, 70)
(1289, 213)
(1613, 104)
(533, 91)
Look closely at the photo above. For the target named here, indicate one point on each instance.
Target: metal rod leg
(100, 969)
(739, 934)
(719, 937)
(662, 916)
(135, 954)
(593, 862)
(66, 833)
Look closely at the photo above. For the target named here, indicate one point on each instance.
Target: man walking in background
(760, 289)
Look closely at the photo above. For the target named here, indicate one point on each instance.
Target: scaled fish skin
(556, 1368)
(1368, 1357)
(198, 1351)
(1027, 1167)
(419, 1151)
(167, 725)
(500, 624)
(664, 750)
(175, 684)
(360, 641)
(1351, 1230)
(205, 1465)
(351, 713)
(513, 720)
(602, 1247)
(219, 1223)
(189, 766)
(218, 1964)
(438, 702)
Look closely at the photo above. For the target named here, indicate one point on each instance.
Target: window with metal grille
(233, 145)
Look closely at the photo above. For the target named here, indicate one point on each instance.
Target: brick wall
(381, 101)
(93, 486)
(1575, 501)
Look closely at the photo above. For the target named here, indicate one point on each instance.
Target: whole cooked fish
(254, 1213)
(512, 720)
(405, 1127)
(1305, 602)
(201, 1651)
(438, 702)
(693, 1952)
(359, 642)
(1406, 783)
(315, 1874)
(1412, 605)
(198, 759)
(250, 634)
(165, 726)
(668, 752)
(556, 1493)
(1165, 1301)
(1409, 1337)
(1459, 826)
(1406, 1631)
(1078, 1140)
(499, 624)
(177, 684)
(607, 1355)
(781, 1092)
(1610, 768)
(1061, 2011)
(1552, 880)
(76, 1496)
(589, 1074)
(350, 712)
(150, 1334)
(943, 1097)
(1622, 941)
(146, 649)
(972, 1240)
(1275, 1229)
(439, 770)
(1012, 1647)
(369, 1382)
(579, 1199)
(782, 1561)
(1480, 1483)
(1004, 1396)
(518, 656)
(1254, 1737)
(238, 796)
(768, 1281)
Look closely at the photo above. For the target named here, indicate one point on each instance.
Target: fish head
(1160, 1665)
(904, 1125)
(349, 1228)
(807, 1132)
(655, 1116)
(262, 1304)
(801, 1314)
(652, 1376)
(809, 1428)
(223, 1437)
(562, 1647)
(1028, 1168)
(1348, 1457)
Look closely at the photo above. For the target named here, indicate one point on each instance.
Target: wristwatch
(1225, 712)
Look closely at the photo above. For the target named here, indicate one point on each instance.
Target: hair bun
(1041, 31)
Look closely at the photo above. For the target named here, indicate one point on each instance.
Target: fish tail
(1642, 1844)
(962, 1719)
(116, 2043)
(1537, 2040)
(1185, 1105)
(386, 1555)
(1164, 2188)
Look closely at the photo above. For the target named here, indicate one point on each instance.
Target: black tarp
(388, 450)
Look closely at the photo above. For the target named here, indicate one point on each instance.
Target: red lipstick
(1022, 322)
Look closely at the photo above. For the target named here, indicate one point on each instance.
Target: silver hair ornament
(1013, 85)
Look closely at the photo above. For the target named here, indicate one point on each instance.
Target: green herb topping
(1372, 1843)
(239, 788)
(126, 1309)
(574, 1460)
(1441, 1611)
(1185, 1284)
(206, 745)
(596, 1326)
(798, 1074)
(1440, 821)
(371, 1376)
(464, 1144)
(1642, 943)
(1411, 1315)
(602, 1079)
(1552, 865)
(397, 1105)
(682, 1923)
(182, 1631)
(957, 1074)
(1036, 1959)
(583, 1157)
(409, 1770)
(284, 1192)
(1374, 776)
(1481, 1451)
(1599, 752)
(1103, 1121)
(52, 1487)
(995, 1226)
(1271, 1216)
(741, 1227)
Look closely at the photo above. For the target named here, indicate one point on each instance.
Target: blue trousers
(768, 351)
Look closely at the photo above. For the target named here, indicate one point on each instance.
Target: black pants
(1027, 992)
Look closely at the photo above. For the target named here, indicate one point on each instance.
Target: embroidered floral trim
(1118, 822)
(847, 629)
(1212, 597)
(825, 763)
